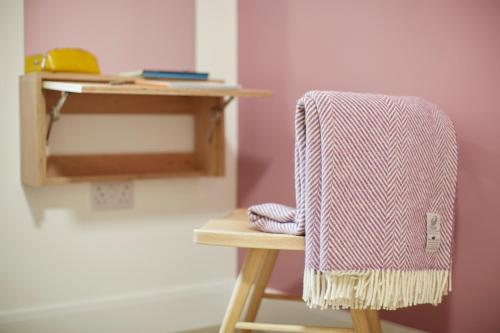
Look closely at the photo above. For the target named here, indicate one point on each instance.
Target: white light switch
(112, 195)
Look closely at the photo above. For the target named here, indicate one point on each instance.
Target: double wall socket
(112, 195)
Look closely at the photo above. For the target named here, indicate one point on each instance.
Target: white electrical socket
(112, 195)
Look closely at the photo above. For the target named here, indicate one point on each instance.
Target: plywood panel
(124, 104)
(209, 137)
(32, 129)
(129, 88)
(72, 168)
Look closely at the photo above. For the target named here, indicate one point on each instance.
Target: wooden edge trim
(290, 328)
(236, 239)
(282, 297)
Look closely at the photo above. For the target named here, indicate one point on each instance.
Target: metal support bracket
(55, 112)
(216, 116)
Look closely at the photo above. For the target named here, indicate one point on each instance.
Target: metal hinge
(216, 116)
(55, 112)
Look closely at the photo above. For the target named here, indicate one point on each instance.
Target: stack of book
(177, 79)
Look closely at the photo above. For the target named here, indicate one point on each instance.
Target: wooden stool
(234, 230)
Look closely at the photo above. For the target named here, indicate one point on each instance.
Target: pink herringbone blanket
(375, 180)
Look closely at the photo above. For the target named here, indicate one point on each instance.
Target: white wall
(66, 268)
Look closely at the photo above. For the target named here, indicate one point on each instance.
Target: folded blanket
(375, 180)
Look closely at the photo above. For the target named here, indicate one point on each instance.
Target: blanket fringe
(374, 289)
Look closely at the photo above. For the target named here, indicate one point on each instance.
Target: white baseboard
(172, 310)
(298, 313)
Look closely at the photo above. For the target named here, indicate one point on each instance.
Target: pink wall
(123, 34)
(445, 51)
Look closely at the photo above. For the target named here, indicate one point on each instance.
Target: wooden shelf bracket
(55, 112)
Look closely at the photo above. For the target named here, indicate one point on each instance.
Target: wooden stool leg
(374, 321)
(241, 290)
(260, 286)
(360, 321)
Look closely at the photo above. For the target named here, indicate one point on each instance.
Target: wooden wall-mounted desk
(46, 95)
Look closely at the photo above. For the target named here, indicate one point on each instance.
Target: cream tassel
(374, 289)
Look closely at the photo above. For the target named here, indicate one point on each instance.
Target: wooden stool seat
(234, 230)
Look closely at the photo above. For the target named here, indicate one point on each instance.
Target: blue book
(172, 75)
